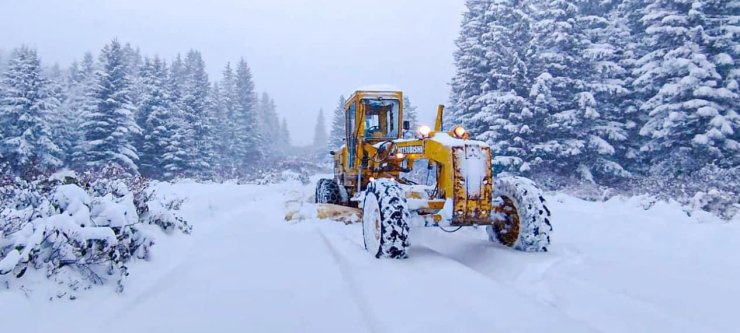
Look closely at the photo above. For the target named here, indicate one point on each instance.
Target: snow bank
(620, 265)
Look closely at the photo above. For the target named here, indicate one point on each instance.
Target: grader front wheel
(385, 217)
(522, 219)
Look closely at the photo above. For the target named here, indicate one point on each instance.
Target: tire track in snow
(498, 283)
(421, 266)
(351, 285)
(607, 295)
(641, 306)
(217, 223)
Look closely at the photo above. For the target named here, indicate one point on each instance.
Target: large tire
(385, 215)
(523, 219)
(327, 191)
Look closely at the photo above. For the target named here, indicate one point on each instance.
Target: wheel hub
(507, 227)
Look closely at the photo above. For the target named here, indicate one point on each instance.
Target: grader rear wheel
(522, 219)
(327, 191)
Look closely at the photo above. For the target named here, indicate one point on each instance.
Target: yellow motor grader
(373, 169)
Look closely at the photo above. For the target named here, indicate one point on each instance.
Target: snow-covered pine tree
(503, 118)
(67, 129)
(724, 29)
(194, 102)
(470, 62)
(177, 157)
(3, 61)
(320, 138)
(723, 18)
(337, 132)
(248, 152)
(26, 102)
(273, 121)
(219, 124)
(175, 80)
(134, 63)
(563, 106)
(269, 124)
(410, 114)
(80, 100)
(109, 128)
(625, 34)
(56, 78)
(134, 69)
(226, 141)
(156, 120)
(692, 118)
(285, 134)
(606, 41)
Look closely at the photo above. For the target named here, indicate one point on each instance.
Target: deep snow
(613, 267)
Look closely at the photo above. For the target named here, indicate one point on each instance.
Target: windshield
(381, 118)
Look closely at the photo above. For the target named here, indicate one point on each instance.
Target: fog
(304, 53)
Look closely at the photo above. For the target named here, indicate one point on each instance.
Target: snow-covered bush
(712, 189)
(80, 231)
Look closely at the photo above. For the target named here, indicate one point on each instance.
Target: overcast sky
(304, 53)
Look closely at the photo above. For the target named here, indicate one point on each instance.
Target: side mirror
(406, 125)
(332, 153)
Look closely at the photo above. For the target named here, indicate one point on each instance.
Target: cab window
(350, 128)
(381, 118)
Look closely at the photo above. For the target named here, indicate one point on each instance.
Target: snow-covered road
(613, 267)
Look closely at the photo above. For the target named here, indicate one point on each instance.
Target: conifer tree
(409, 114)
(607, 58)
(269, 124)
(158, 152)
(226, 136)
(562, 106)
(247, 138)
(193, 101)
(337, 131)
(320, 137)
(219, 124)
(26, 103)
(109, 127)
(285, 134)
(691, 119)
(56, 80)
(80, 100)
(470, 62)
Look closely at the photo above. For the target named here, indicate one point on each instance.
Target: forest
(145, 115)
(636, 95)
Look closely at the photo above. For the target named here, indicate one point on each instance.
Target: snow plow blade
(299, 211)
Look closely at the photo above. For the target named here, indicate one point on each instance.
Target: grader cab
(372, 168)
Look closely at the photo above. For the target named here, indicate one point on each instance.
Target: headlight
(424, 131)
(460, 132)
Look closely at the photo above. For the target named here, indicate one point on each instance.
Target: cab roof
(389, 94)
